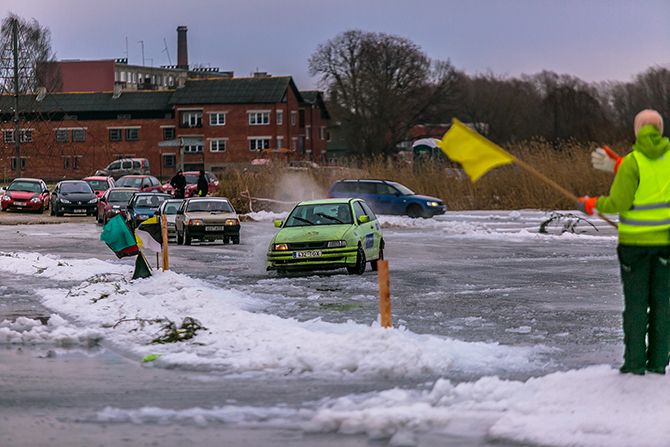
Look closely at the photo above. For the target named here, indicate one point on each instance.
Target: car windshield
(98, 185)
(209, 206)
(171, 208)
(191, 178)
(120, 196)
(404, 190)
(134, 182)
(153, 201)
(80, 187)
(25, 186)
(320, 214)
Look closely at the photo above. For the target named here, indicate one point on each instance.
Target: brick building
(70, 135)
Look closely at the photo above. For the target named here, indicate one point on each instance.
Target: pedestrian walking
(202, 185)
(640, 194)
(178, 182)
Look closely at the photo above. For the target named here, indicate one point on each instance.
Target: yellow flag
(474, 152)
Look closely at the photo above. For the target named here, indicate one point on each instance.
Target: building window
(75, 162)
(301, 118)
(217, 119)
(294, 144)
(26, 136)
(280, 142)
(217, 145)
(169, 160)
(66, 162)
(78, 135)
(193, 148)
(191, 119)
(258, 144)
(322, 133)
(9, 136)
(132, 134)
(23, 163)
(280, 117)
(123, 76)
(168, 133)
(259, 118)
(115, 135)
(308, 129)
(171, 81)
(134, 78)
(293, 117)
(62, 135)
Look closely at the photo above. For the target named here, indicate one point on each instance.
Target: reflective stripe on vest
(651, 207)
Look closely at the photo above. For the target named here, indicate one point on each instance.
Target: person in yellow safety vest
(640, 194)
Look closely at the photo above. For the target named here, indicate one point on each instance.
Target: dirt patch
(33, 218)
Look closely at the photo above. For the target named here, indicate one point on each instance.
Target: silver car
(207, 219)
(169, 209)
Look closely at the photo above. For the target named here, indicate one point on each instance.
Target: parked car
(325, 235)
(142, 206)
(207, 218)
(99, 184)
(192, 184)
(73, 197)
(114, 201)
(30, 194)
(145, 183)
(125, 166)
(169, 209)
(386, 197)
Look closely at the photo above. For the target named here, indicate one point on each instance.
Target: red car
(114, 201)
(30, 194)
(145, 183)
(192, 184)
(100, 184)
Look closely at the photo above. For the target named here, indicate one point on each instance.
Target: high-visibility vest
(651, 207)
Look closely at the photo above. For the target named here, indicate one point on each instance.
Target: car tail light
(328, 195)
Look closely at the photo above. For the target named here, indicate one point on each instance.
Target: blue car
(143, 206)
(386, 197)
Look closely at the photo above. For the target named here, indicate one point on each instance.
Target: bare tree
(32, 55)
(379, 86)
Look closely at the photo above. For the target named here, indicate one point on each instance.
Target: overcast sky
(595, 40)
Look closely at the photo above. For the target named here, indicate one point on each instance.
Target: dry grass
(505, 187)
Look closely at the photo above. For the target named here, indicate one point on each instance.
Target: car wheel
(180, 238)
(187, 238)
(414, 210)
(59, 213)
(360, 263)
(236, 240)
(41, 209)
(104, 220)
(373, 264)
(52, 211)
(226, 240)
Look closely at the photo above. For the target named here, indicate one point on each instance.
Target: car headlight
(6, 198)
(336, 244)
(232, 222)
(62, 200)
(142, 217)
(93, 200)
(280, 247)
(432, 204)
(35, 200)
(116, 207)
(195, 222)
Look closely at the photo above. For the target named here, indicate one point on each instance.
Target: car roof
(152, 193)
(327, 201)
(137, 175)
(206, 198)
(367, 180)
(97, 177)
(27, 179)
(72, 181)
(123, 188)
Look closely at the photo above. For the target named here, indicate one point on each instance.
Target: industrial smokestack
(182, 48)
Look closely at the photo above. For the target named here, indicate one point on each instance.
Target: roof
(235, 91)
(91, 102)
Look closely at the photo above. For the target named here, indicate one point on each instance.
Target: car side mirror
(278, 223)
(397, 194)
(364, 219)
(157, 213)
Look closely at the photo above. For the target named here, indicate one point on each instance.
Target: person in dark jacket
(202, 186)
(640, 194)
(178, 182)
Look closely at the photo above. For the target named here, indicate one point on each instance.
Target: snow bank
(50, 266)
(57, 331)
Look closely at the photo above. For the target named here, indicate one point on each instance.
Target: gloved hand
(587, 205)
(605, 159)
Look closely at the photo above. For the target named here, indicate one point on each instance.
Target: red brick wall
(87, 76)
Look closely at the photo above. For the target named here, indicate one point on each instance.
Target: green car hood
(312, 233)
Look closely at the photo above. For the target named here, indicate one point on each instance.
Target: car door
(54, 196)
(386, 199)
(179, 217)
(374, 226)
(366, 231)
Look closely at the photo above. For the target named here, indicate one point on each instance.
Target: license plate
(216, 228)
(20, 203)
(79, 211)
(307, 254)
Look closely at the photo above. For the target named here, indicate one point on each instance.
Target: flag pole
(529, 169)
(145, 258)
(164, 233)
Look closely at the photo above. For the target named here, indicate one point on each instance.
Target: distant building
(224, 120)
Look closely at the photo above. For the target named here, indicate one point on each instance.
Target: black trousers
(645, 273)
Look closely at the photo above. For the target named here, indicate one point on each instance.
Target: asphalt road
(469, 289)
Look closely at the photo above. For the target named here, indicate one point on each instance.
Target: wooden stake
(158, 261)
(164, 233)
(384, 293)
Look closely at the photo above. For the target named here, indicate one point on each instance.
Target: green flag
(119, 238)
(142, 269)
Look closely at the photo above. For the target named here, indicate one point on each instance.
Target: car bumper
(71, 208)
(437, 210)
(28, 206)
(329, 260)
(211, 232)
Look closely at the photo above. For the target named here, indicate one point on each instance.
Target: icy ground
(256, 329)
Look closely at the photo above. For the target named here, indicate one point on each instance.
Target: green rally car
(327, 234)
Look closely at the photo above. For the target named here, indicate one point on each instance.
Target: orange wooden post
(384, 293)
(164, 233)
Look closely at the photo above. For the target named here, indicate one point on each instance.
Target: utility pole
(142, 42)
(17, 137)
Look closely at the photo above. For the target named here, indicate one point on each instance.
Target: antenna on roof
(166, 51)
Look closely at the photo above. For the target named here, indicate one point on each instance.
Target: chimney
(182, 48)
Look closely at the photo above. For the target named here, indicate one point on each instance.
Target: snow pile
(132, 314)
(267, 216)
(50, 266)
(57, 331)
